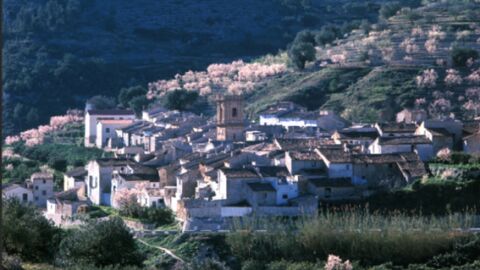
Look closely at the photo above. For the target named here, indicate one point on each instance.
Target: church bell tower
(230, 118)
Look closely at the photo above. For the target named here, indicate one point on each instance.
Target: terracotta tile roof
(403, 140)
(111, 112)
(240, 172)
(298, 144)
(397, 127)
(304, 155)
(336, 155)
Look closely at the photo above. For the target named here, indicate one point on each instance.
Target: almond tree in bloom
(436, 32)
(336, 263)
(431, 45)
(440, 108)
(417, 31)
(236, 77)
(126, 198)
(474, 77)
(427, 79)
(409, 45)
(453, 77)
(12, 139)
(36, 136)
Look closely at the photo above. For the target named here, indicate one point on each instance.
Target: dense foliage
(56, 154)
(27, 233)
(100, 243)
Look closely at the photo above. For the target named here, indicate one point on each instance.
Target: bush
(460, 158)
(460, 56)
(58, 164)
(27, 233)
(101, 244)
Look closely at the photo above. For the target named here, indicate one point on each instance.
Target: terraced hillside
(425, 57)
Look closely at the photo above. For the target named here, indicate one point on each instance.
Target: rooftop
(110, 112)
(403, 140)
(116, 122)
(240, 172)
(397, 127)
(304, 155)
(298, 144)
(336, 155)
(77, 172)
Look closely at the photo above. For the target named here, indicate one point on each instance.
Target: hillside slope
(57, 53)
(425, 57)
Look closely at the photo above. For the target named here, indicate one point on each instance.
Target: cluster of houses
(208, 170)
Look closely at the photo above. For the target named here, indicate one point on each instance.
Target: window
(44, 192)
(25, 197)
(36, 187)
(285, 196)
(234, 112)
(44, 181)
(107, 130)
(347, 167)
(36, 198)
(265, 195)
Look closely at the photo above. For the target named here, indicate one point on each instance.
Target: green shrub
(101, 244)
(27, 233)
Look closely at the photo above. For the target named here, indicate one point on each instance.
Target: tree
(100, 243)
(127, 94)
(101, 102)
(58, 164)
(27, 233)
(460, 56)
(302, 49)
(389, 9)
(300, 53)
(138, 103)
(180, 100)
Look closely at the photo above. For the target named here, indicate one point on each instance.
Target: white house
(391, 145)
(19, 192)
(99, 178)
(338, 162)
(106, 130)
(41, 184)
(93, 116)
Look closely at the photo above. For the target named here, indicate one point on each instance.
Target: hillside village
(356, 146)
(209, 170)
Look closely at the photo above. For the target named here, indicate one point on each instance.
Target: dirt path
(166, 250)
